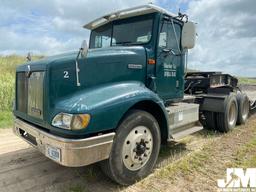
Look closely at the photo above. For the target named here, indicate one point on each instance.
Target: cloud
(50, 26)
(226, 36)
(226, 29)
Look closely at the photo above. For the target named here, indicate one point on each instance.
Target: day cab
(114, 102)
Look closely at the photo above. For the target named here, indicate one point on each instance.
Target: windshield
(122, 33)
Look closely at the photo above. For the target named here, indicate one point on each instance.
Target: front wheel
(135, 148)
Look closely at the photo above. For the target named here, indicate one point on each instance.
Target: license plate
(53, 153)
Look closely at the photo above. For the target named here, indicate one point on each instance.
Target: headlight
(71, 121)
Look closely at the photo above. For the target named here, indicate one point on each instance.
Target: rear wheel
(210, 120)
(227, 120)
(135, 148)
(243, 108)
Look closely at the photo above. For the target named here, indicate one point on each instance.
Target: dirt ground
(22, 168)
(250, 90)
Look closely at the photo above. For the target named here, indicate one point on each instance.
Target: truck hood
(101, 67)
(42, 64)
(96, 56)
(106, 53)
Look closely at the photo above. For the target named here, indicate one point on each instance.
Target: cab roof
(126, 13)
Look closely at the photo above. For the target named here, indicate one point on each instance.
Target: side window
(168, 34)
(174, 36)
(101, 37)
(102, 41)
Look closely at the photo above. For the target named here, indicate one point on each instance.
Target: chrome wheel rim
(232, 114)
(137, 148)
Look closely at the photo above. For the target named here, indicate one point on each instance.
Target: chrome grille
(29, 93)
(35, 94)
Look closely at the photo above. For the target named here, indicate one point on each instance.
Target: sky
(226, 29)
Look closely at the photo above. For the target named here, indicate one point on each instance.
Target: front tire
(135, 148)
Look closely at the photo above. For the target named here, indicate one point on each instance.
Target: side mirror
(188, 38)
(84, 49)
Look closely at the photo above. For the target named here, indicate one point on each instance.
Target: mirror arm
(78, 84)
(83, 52)
(78, 54)
(170, 51)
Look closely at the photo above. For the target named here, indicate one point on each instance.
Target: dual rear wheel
(236, 111)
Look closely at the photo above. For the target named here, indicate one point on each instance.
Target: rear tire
(243, 108)
(135, 148)
(210, 120)
(227, 120)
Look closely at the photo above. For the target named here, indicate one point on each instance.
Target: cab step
(183, 120)
(186, 132)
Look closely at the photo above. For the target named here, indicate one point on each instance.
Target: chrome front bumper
(73, 152)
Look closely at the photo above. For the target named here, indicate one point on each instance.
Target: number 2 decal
(66, 75)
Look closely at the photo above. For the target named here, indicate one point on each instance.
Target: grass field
(7, 78)
(7, 69)
(250, 81)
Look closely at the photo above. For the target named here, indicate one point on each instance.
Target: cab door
(170, 65)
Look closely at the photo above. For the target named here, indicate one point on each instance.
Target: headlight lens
(71, 121)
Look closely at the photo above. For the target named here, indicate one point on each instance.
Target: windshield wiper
(123, 43)
(128, 43)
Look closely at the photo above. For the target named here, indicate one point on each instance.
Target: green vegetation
(245, 156)
(77, 188)
(191, 162)
(6, 119)
(7, 80)
(244, 80)
(235, 149)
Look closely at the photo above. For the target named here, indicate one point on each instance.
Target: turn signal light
(151, 61)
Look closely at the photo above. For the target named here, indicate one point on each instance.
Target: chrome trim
(74, 152)
(78, 84)
(135, 66)
(35, 94)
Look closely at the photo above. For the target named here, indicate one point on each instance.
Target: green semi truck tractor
(118, 99)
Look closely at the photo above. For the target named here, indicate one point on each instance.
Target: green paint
(109, 85)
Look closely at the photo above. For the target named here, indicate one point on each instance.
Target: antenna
(182, 16)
